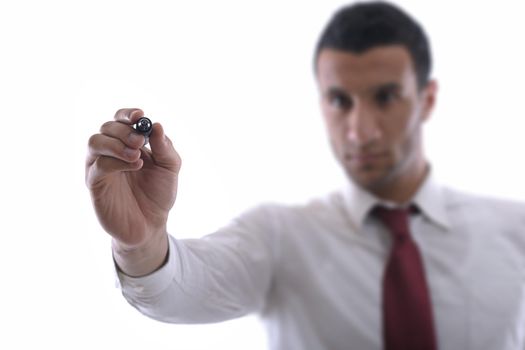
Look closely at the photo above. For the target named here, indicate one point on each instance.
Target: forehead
(376, 66)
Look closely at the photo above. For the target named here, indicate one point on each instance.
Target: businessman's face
(374, 112)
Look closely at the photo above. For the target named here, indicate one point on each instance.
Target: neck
(402, 189)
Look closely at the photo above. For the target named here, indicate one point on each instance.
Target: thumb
(162, 149)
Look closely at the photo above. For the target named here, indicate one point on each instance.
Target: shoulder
(484, 205)
(322, 207)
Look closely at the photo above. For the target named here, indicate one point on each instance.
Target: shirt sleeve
(221, 276)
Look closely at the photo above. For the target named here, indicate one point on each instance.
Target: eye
(384, 97)
(339, 101)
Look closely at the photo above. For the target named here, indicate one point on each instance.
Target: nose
(362, 128)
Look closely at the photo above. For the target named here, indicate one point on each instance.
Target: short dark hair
(361, 26)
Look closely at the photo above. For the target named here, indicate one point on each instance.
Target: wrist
(141, 260)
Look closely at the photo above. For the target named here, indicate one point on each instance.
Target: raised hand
(133, 188)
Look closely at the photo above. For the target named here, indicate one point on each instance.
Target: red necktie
(407, 312)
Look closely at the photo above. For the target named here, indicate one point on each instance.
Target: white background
(232, 83)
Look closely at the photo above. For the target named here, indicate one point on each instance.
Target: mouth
(365, 159)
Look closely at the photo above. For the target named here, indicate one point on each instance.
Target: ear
(428, 96)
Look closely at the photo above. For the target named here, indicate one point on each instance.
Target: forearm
(141, 260)
(185, 290)
(205, 280)
(219, 277)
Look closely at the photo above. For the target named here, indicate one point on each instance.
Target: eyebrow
(387, 86)
(334, 90)
(391, 86)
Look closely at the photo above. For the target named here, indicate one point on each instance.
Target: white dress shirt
(314, 272)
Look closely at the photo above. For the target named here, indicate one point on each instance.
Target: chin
(371, 180)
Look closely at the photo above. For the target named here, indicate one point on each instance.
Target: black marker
(144, 126)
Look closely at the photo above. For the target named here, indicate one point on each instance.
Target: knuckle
(120, 112)
(93, 140)
(125, 113)
(106, 126)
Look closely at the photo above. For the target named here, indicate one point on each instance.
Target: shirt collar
(431, 202)
(359, 203)
(429, 199)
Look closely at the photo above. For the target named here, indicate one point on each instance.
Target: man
(393, 261)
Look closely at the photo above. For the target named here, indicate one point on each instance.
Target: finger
(103, 145)
(162, 150)
(126, 134)
(128, 115)
(105, 166)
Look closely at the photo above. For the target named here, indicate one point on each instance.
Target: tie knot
(395, 219)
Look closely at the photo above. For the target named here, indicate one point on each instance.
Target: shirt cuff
(154, 283)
